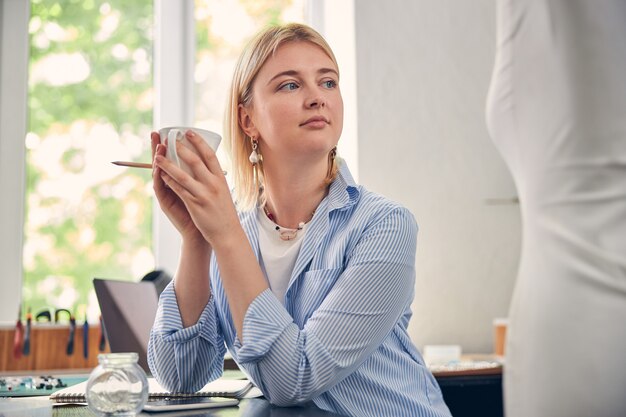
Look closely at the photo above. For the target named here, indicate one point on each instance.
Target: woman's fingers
(175, 186)
(205, 153)
(158, 185)
(177, 175)
(155, 140)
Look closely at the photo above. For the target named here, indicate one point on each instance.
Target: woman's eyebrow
(327, 70)
(283, 73)
(294, 73)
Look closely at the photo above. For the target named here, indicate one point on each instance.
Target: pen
(137, 165)
(132, 164)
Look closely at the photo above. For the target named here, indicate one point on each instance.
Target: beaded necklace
(284, 232)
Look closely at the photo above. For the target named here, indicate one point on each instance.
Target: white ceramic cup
(175, 134)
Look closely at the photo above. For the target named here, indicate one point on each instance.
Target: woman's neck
(293, 195)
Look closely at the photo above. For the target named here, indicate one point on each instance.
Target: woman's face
(297, 109)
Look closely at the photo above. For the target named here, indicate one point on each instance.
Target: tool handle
(18, 340)
(26, 349)
(86, 339)
(70, 342)
(102, 342)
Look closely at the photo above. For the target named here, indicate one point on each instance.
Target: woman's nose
(315, 102)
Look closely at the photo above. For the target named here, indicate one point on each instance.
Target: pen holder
(117, 386)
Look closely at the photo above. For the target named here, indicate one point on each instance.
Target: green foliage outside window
(90, 91)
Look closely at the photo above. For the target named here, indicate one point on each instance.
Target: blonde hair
(248, 191)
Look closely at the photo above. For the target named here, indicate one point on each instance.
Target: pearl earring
(254, 156)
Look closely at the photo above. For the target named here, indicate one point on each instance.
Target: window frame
(14, 17)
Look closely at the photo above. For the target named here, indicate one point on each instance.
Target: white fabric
(278, 256)
(557, 112)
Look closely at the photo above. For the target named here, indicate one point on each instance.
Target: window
(96, 77)
(222, 29)
(92, 98)
(89, 102)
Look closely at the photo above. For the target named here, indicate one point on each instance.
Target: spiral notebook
(232, 388)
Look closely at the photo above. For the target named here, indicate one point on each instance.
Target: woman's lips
(316, 122)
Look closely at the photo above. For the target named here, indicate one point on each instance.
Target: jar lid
(118, 358)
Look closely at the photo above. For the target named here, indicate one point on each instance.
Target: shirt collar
(343, 192)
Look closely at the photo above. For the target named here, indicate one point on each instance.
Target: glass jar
(117, 386)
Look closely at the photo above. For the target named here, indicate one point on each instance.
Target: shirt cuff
(265, 320)
(169, 324)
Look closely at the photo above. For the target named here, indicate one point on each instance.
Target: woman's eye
(329, 84)
(288, 86)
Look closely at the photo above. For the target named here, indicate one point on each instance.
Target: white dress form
(557, 112)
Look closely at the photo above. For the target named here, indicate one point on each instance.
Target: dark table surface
(253, 407)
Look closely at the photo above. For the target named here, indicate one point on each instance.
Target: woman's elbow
(288, 395)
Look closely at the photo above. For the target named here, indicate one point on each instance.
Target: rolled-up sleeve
(293, 365)
(184, 359)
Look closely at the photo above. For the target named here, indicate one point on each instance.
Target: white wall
(423, 69)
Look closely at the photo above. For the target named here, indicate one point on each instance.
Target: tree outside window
(90, 102)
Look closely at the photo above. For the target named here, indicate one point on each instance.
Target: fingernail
(189, 133)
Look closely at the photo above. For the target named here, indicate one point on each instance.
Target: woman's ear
(246, 122)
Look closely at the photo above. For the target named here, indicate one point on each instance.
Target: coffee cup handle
(173, 136)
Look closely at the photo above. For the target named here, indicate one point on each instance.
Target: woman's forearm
(191, 283)
(241, 274)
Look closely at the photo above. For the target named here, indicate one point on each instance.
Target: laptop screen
(128, 310)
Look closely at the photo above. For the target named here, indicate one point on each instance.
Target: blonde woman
(307, 278)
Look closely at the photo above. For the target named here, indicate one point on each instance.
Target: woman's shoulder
(371, 208)
(378, 206)
(364, 207)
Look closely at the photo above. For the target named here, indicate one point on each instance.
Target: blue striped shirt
(340, 340)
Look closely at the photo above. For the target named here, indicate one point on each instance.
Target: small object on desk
(25, 408)
(468, 365)
(192, 403)
(32, 386)
(499, 335)
(231, 388)
(440, 354)
(117, 386)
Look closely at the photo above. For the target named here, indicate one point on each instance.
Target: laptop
(128, 310)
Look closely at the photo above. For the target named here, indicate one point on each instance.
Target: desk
(253, 407)
(471, 392)
(467, 392)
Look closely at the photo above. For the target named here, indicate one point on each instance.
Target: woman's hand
(204, 194)
(170, 203)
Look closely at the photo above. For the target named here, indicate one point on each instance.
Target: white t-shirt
(278, 257)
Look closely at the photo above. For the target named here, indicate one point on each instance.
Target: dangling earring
(330, 174)
(255, 157)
